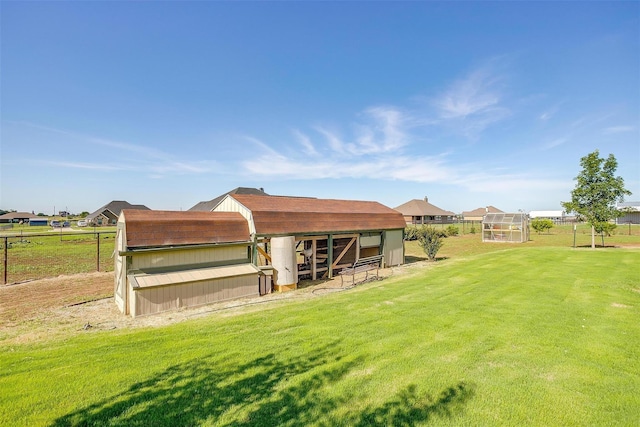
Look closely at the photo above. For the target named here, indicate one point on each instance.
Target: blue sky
(170, 103)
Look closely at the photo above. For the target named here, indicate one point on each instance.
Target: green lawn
(520, 335)
(50, 254)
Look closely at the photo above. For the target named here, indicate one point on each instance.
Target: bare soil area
(83, 303)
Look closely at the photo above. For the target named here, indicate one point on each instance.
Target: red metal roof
(296, 215)
(169, 228)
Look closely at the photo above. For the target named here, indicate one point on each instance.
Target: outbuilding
(305, 237)
(630, 213)
(167, 260)
(38, 221)
(505, 227)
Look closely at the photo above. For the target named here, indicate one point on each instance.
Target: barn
(310, 238)
(167, 260)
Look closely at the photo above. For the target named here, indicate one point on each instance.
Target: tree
(541, 225)
(597, 191)
(431, 242)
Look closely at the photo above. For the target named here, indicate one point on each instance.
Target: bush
(411, 233)
(540, 225)
(416, 232)
(605, 228)
(430, 241)
(452, 230)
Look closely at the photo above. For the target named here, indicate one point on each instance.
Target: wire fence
(37, 256)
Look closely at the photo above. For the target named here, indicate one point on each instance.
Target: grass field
(492, 334)
(37, 255)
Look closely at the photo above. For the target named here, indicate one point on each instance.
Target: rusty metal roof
(169, 228)
(298, 215)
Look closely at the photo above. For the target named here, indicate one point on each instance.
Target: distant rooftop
(208, 206)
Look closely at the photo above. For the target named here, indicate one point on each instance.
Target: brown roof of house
(481, 211)
(115, 207)
(296, 215)
(18, 215)
(420, 207)
(169, 228)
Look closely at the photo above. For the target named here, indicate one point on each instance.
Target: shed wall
(229, 204)
(167, 259)
(393, 247)
(164, 298)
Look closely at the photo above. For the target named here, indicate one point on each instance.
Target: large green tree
(597, 191)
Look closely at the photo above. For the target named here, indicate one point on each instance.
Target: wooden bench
(362, 265)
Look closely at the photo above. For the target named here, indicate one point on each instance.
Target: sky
(168, 104)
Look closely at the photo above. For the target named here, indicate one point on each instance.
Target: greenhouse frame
(505, 227)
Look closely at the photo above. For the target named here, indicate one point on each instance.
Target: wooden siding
(393, 248)
(158, 299)
(167, 259)
(229, 204)
(143, 280)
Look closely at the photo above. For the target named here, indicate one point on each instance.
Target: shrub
(452, 230)
(605, 228)
(540, 225)
(411, 233)
(430, 241)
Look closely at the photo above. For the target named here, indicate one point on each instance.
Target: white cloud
(618, 129)
(146, 160)
(305, 141)
(555, 143)
(473, 103)
(83, 165)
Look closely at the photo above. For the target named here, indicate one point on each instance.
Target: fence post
(6, 249)
(98, 257)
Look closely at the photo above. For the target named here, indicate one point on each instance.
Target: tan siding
(231, 205)
(156, 300)
(167, 259)
(393, 248)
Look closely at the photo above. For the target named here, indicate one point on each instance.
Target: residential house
(420, 211)
(478, 214)
(109, 213)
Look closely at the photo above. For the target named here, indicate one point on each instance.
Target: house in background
(208, 206)
(16, 217)
(109, 213)
(478, 214)
(420, 211)
(631, 213)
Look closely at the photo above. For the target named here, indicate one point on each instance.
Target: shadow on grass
(409, 407)
(264, 391)
(410, 259)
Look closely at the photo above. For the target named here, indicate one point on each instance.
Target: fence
(37, 256)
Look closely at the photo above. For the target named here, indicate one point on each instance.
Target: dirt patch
(26, 300)
(617, 305)
(83, 303)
